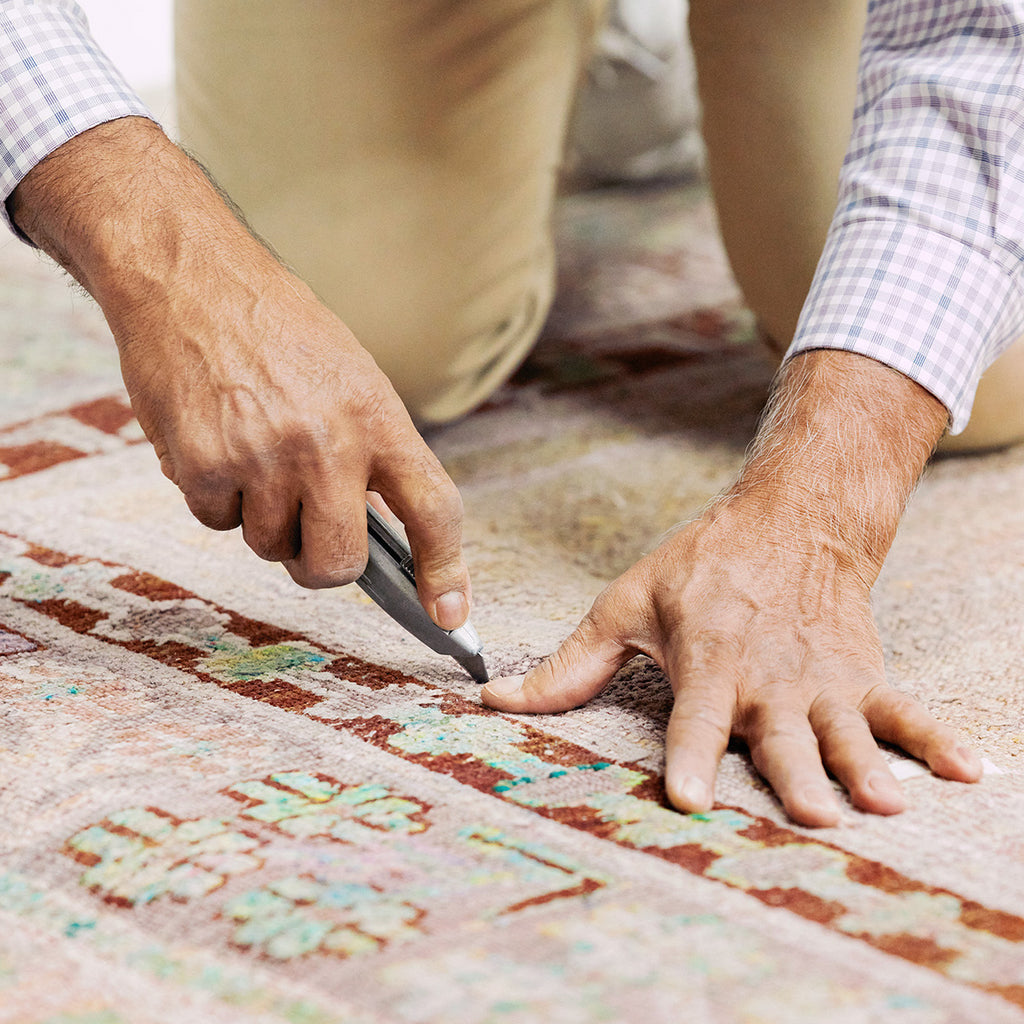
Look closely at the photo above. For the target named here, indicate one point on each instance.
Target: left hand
(759, 613)
(761, 638)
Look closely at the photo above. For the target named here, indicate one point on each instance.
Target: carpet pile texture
(228, 800)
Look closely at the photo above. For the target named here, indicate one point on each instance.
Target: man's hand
(261, 405)
(759, 613)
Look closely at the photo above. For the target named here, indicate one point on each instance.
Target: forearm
(840, 449)
(126, 212)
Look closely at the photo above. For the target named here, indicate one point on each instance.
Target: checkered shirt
(55, 83)
(922, 267)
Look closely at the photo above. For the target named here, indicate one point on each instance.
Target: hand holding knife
(390, 581)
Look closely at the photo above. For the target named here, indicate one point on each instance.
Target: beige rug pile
(225, 799)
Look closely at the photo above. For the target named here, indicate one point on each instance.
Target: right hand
(261, 405)
(267, 413)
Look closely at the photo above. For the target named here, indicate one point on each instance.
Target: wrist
(840, 449)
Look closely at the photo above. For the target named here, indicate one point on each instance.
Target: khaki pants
(403, 155)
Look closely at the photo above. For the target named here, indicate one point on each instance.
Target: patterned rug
(226, 799)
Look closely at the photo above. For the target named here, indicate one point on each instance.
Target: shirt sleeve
(55, 83)
(922, 266)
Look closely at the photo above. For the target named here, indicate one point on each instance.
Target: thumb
(580, 669)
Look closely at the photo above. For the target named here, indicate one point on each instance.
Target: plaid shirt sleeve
(55, 83)
(922, 266)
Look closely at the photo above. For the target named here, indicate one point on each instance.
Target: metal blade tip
(474, 665)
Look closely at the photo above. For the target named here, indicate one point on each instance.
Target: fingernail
(881, 783)
(694, 793)
(882, 786)
(821, 799)
(505, 685)
(451, 610)
(969, 757)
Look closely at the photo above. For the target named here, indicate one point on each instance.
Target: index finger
(428, 503)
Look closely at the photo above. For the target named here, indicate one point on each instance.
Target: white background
(136, 35)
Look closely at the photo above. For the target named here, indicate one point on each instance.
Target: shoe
(637, 117)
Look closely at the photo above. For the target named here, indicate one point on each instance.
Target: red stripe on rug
(110, 415)
(35, 456)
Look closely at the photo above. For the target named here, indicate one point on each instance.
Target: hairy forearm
(839, 452)
(125, 212)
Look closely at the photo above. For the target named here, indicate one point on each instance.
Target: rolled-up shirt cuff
(926, 304)
(55, 83)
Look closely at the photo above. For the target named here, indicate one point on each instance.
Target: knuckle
(830, 718)
(562, 663)
(935, 734)
(844, 730)
(715, 652)
(705, 710)
(271, 547)
(200, 479)
(778, 735)
(214, 512)
(594, 623)
(904, 705)
(701, 717)
(895, 705)
(206, 484)
(841, 741)
(367, 393)
(768, 725)
(440, 508)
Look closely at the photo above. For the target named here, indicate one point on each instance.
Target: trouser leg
(777, 82)
(402, 156)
